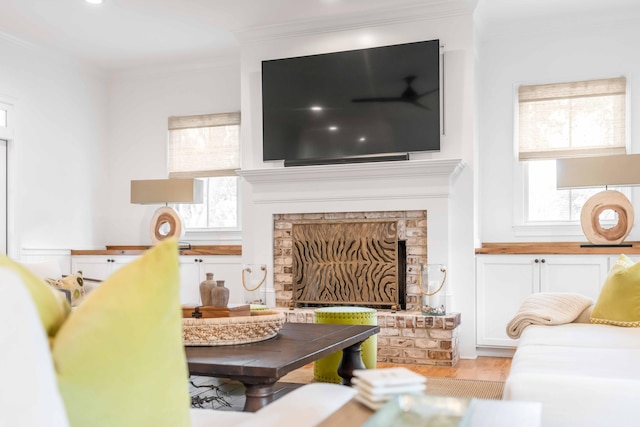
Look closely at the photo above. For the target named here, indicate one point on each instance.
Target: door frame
(13, 153)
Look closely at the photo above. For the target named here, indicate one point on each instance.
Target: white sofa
(584, 374)
(29, 395)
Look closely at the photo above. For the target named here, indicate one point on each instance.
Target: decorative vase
(205, 289)
(219, 295)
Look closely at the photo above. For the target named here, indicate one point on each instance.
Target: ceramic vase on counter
(219, 295)
(205, 289)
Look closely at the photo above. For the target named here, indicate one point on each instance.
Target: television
(362, 105)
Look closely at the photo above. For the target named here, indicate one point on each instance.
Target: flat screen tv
(361, 105)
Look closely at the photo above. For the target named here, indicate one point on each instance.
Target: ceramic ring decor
(165, 216)
(590, 218)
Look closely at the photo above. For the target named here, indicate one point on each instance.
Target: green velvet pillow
(119, 356)
(51, 304)
(619, 300)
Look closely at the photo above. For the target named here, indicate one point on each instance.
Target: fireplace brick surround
(412, 228)
(406, 337)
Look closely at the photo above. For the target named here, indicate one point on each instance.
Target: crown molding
(418, 11)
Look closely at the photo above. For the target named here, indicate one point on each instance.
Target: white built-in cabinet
(193, 269)
(504, 281)
(99, 267)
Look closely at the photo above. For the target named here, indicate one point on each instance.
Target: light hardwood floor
(482, 368)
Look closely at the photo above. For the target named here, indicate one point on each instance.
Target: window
(585, 118)
(207, 147)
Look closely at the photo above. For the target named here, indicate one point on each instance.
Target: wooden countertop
(560, 248)
(137, 250)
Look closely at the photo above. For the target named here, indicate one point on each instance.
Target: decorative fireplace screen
(348, 263)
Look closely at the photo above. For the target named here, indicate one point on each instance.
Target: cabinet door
(229, 269)
(98, 267)
(92, 266)
(581, 274)
(503, 282)
(190, 279)
(193, 270)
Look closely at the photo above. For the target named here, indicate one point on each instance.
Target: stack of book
(376, 386)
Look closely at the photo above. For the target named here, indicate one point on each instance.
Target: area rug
(453, 387)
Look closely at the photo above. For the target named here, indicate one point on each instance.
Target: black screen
(351, 104)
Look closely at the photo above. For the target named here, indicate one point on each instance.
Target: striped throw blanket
(547, 308)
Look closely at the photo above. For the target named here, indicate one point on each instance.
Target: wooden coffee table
(260, 365)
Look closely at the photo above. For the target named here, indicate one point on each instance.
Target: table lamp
(617, 170)
(166, 221)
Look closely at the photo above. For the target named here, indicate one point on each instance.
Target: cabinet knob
(536, 260)
(543, 260)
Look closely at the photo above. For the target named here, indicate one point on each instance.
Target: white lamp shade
(615, 170)
(160, 191)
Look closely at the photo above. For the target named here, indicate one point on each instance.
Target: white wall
(61, 114)
(140, 102)
(542, 52)
(451, 218)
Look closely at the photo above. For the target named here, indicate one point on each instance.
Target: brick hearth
(408, 337)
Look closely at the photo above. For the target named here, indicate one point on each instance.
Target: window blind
(204, 145)
(584, 118)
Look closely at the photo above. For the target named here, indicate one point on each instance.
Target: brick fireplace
(406, 336)
(410, 227)
(275, 197)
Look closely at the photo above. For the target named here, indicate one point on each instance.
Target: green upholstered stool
(326, 369)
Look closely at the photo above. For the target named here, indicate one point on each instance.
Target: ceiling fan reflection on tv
(409, 95)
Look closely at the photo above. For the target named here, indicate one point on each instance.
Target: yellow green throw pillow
(119, 357)
(51, 304)
(619, 300)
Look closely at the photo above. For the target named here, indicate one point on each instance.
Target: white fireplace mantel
(449, 168)
(353, 182)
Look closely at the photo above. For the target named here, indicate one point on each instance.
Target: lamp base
(166, 223)
(590, 218)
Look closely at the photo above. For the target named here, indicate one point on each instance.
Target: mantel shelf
(376, 170)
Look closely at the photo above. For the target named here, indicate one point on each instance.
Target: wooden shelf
(137, 250)
(560, 248)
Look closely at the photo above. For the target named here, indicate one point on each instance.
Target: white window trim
(522, 228)
(222, 235)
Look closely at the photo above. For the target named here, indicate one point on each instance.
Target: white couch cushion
(608, 363)
(577, 386)
(581, 335)
(577, 401)
(29, 394)
(213, 418)
(305, 406)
